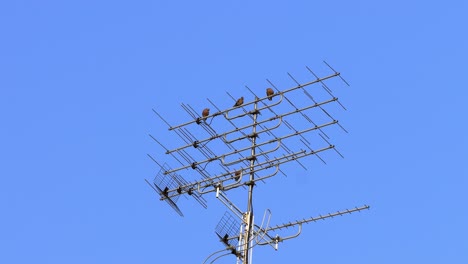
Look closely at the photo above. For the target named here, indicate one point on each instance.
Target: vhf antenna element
(244, 144)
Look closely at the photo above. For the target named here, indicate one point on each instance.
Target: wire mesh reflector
(227, 229)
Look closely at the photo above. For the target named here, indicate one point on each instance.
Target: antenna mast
(204, 147)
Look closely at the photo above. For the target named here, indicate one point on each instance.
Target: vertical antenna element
(240, 145)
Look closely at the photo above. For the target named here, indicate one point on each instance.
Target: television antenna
(240, 146)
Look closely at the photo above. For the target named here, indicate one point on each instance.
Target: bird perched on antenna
(239, 101)
(237, 175)
(270, 93)
(205, 113)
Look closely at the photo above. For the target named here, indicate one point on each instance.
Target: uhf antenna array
(240, 146)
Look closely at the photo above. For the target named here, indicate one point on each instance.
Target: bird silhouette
(237, 175)
(270, 93)
(239, 101)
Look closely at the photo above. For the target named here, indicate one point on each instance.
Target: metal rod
(223, 198)
(336, 73)
(313, 219)
(325, 86)
(249, 213)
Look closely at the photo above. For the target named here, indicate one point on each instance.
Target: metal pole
(249, 213)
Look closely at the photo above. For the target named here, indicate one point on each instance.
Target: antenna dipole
(243, 160)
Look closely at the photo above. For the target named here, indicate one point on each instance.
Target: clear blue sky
(78, 80)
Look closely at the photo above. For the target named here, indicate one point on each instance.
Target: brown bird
(206, 112)
(239, 101)
(270, 93)
(237, 175)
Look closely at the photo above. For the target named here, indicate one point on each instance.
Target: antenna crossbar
(313, 219)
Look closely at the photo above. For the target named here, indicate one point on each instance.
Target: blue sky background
(78, 80)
